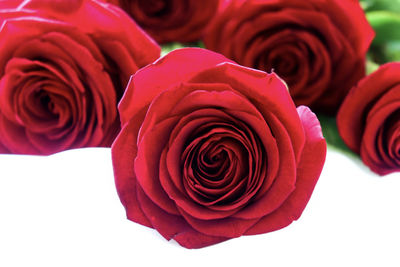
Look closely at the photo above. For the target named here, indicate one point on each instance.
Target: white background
(63, 210)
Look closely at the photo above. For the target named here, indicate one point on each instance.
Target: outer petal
(175, 227)
(124, 151)
(101, 22)
(194, 239)
(176, 67)
(148, 160)
(308, 171)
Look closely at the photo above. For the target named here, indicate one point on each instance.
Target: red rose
(171, 20)
(63, 67)
(317, 46)
(369, 119)
(210, 150)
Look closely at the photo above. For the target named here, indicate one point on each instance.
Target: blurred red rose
(210, 150)
(171, 20)
(369, 119)
(317, 46)
(63, 67)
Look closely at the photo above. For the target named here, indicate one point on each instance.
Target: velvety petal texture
(210, 150)
(64, 66)
(317, 46)
(369, 119)
(171, 20)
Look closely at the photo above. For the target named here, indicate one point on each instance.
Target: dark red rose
(369, 119)
(317, 46)
(171, 20)
(64, 66)
(210, 150)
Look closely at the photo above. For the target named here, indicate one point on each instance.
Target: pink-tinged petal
(308, 172)
(124, 151)
(143, 86)
(312, 161)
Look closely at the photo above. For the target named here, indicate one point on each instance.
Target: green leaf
(166, 48)
(371, 5)
(331, 134)
(371, 66)
(386, 25)
(392, 50)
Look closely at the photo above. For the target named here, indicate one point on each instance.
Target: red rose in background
(369, 119)
(210, 150)
(63, 67)
(317, 46)
(171, 20)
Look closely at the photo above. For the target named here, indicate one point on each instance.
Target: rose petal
(227, 227)
(308, 171)
(267, 92)
(147, 160)
(174, 227)
(352, 114)
(136, 99)
(124, 151)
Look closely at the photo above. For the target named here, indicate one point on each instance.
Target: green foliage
(371, 5)
(165, 49)
(384, 17)
(386, 25)
(331, 134)
(371, 65)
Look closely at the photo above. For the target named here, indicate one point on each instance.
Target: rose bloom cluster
(206, 145)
